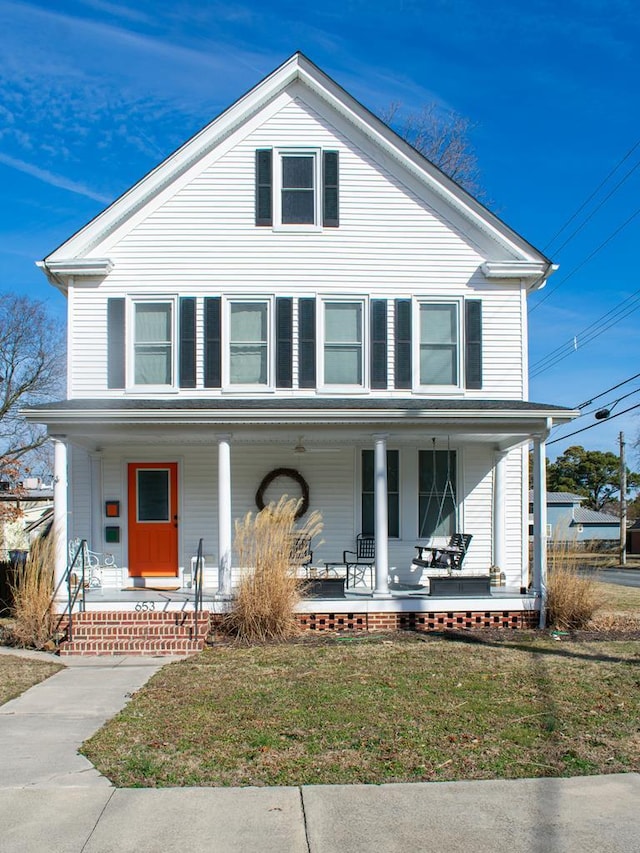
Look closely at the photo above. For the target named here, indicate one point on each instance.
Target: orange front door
(153, 519)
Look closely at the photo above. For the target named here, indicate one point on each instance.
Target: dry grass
(380, 709)
(18, 674)
(32, 588)
(572, 598)
(264, 608)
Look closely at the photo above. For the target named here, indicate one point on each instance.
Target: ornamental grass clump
(32, 589)
(270, 548)
(572, 598)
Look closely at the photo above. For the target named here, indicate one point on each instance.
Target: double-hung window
(393, 493)
(249, 343)
(298, 189)
(343, 343)
(153, 349)
(436, 493)
(439, 344)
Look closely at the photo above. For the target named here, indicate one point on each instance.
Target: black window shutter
(284, 342)
(187, 355)
(473, 343)
(330, 217)
(307, 343)
(212, 343)
(378, 343)
(403, 343)
(115, 344)
(264, 186)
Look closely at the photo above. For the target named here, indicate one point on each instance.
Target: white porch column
(224, 515)
(60, 514)
(381, 517)
(540, 524)
(499, 492)
(96, 501)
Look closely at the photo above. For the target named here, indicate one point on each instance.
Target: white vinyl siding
(199, 239)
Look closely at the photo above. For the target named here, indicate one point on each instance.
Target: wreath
(293, 475)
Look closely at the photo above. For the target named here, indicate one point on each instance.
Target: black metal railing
(74, 578)
(198, 582)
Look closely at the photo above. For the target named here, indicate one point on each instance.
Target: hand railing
(198, 581)
(79, 564)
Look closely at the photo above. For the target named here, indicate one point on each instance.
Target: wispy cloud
(52, 179)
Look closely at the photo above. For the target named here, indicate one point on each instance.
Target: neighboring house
(569, 521)
(30, 506)
(296, 287)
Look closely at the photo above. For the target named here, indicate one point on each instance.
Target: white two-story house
(297, 288)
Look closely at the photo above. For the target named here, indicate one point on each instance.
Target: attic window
(296, 188)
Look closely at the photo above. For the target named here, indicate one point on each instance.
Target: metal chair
(359, 563)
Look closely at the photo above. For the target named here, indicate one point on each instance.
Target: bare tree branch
(443, 138)
(31, 371)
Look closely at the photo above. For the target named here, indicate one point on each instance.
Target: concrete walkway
(53, 800)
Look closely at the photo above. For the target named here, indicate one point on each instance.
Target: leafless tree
(443, 137)
(31, 371)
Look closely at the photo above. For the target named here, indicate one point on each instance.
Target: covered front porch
(217, 455)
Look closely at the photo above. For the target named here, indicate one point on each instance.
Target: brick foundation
(421, 622)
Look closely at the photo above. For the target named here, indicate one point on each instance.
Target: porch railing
(75, 588)
(198, 582)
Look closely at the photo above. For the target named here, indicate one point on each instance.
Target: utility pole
(623, 504)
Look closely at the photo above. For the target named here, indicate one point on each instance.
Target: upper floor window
(296, 187)
(343, 347)
(153, 343)
(439, 344)
(248, 343)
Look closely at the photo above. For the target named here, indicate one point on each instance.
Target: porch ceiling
(336, 422)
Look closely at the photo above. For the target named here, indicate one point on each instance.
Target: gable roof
(519, 258)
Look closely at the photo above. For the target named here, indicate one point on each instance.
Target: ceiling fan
(300, 448)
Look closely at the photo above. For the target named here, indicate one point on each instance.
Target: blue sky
(94, 93)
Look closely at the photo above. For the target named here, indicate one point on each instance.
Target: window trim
(279, 153)
(321, 385)
(458, 303)
(132, 302)
(227, 386)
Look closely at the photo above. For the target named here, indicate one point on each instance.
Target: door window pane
(248, 355)
(298, 192)
(436, 493)
(393, 492)
(153, 352)
(438, 345)
(343, 343)
(153, 495)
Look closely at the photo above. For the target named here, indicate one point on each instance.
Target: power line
(593, 194)
(591, 426)
(588, 334)
(602, 393)
(585, 261)
(596, 209)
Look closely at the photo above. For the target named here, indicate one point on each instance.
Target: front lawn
(380, 709)
(17, 674)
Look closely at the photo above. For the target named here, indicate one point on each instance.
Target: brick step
(117, 617)
(156, 632)
(130, 646)
(126, 633)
